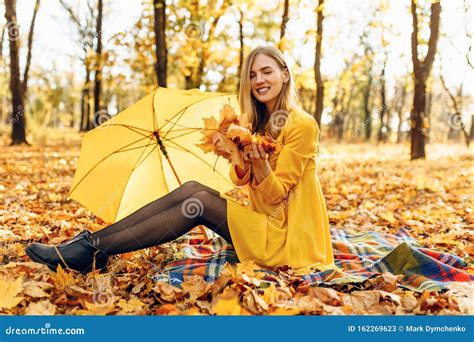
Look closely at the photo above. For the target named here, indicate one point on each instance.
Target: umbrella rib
(185, 108)
(177, 136)
(133, 129)
(173, 123)
(185, 127)
(194, 154)
(136, 166)
(134, 148)
(100, 161)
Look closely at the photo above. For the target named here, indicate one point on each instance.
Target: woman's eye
(252, 76)
(267, 72)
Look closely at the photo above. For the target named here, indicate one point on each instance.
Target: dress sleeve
(299, 148)
(239, 181)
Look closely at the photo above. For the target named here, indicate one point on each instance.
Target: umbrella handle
(201, 227)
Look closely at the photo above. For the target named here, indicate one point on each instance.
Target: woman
(287, 223)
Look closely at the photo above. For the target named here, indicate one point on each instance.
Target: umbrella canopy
(148, 150)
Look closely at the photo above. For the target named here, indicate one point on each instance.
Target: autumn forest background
(390, 84)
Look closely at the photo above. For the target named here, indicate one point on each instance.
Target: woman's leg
(178, 195)
(161, 221)
(169, 218)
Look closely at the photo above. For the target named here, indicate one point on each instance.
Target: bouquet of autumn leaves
(232, 137)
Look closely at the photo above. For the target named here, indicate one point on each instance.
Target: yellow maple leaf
(227, 306)
(249, 268)
(133, 305)
(10, 291)
(62, 278)
(282, 311)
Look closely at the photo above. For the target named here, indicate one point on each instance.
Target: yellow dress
(287, 223)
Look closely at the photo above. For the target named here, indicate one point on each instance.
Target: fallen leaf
(44, 307)
(10, 290)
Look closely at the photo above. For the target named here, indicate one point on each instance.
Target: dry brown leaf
(325, 295)
(168, 292)
(195, 286)
(133, 305)
(463, 293)
(250, 268)
(386, 282)
(36, 289)
(310, 305)
(254, 303)
(408, 301)
(45, 307)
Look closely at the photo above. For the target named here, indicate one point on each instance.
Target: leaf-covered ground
(367, 187)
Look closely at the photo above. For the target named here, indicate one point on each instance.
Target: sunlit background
(353, 30)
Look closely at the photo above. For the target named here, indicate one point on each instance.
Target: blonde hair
(255, 110)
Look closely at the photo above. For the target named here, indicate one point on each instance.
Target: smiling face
(266, 80)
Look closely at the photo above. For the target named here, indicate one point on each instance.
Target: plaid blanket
(358, 256)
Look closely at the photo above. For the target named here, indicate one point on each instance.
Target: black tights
(166, 219)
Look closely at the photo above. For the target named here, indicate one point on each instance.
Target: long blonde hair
(255, 110)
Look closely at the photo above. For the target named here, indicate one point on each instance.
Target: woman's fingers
(262, 152)
(255, 152)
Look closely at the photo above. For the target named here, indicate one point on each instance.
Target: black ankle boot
(78, 254)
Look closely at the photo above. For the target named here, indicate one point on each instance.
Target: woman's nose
(260, 79)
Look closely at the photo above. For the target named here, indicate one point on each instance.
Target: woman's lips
(263, 90)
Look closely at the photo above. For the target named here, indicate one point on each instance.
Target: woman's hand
(259, 161)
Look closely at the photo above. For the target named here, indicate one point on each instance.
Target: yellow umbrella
(148, 150)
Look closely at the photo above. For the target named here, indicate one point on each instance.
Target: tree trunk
(98, 61)
(30, 45)
(429, 98)
(2, 37)
(161, 51)
(421, 71)
(85, 106)
(18, 109)
(367, 108)
(383, 109)
(284, 20)
(317, 64)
